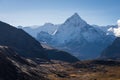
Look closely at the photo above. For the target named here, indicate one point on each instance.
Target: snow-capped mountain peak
(75, 19)
(76, 36)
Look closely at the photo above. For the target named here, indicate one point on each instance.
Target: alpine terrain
(77, 37)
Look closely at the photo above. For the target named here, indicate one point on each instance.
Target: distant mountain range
(34, 30)
(52, 57)
(26, 46)
(21, 56)
(20, 41)
(112, 51)
(76, 36)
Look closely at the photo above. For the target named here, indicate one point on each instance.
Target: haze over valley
(59, 40)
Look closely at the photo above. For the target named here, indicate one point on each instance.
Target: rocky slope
(78, 38)
(25, 45)
(113, 51)
(20, 41)
(55, 54)
(14, 67)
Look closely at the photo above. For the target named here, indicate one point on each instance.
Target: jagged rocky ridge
(25, 45)
(20, 41)
(14, 67)
(34, 30)
(78, 38)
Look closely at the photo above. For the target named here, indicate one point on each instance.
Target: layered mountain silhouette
(14, 67)
(20, 41)
(113, 51)
(77, 37)
(25, 45)
(21, 55)
(34, 30)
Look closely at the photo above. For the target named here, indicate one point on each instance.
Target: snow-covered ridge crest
(76, 36)
(47, 27)
(76, 20)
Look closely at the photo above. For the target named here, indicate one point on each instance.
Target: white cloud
(117, 32)
(118, 22)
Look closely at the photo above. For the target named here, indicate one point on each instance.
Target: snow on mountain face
(48, 27)
(75, 28)
(109, 30)
(69, 28)
(112, 51)
(79, 38)
(44, 36)
(75, 20)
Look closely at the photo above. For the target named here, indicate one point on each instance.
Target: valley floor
(87, 70)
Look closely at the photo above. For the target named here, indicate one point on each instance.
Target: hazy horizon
(39, 12)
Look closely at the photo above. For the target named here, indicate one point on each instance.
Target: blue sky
(38, 12)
